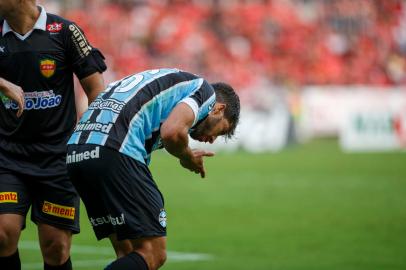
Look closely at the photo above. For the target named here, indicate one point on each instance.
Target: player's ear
(219, 108)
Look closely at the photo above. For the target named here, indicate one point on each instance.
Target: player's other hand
(13, 92)
(195, 162)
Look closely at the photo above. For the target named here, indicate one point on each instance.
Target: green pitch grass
(309, 207)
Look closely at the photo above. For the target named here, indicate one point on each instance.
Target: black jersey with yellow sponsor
(42, 63)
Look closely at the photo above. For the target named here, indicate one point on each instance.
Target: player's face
(213, 126)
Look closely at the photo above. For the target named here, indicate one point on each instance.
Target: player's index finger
(202, 171)
(208, 154)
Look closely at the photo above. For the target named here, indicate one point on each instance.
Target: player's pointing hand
(202, 153)
(195, 162)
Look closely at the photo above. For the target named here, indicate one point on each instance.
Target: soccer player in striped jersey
(110, 150)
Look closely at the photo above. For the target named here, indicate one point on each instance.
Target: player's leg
(55, 246)
(131, 202)
(9, 233)
(149, 254)
(122, 247)
(87, 177)
(137, 209)
(14, 204)
(10, 230)
(153, 249)
(55, 210)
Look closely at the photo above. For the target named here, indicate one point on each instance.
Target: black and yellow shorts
(52, 198)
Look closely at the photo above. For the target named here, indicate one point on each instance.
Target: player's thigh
(86, 176)
(149, 244)
(119, 193)
(10, 231)
(121, 247)
(50, 233)
(15, 197)
(15, 201)
(55, 203)
(134, 202)
(52, 237)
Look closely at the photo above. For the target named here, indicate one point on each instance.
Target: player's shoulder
(58, 24)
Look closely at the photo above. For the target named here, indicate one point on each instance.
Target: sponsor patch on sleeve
(8, 197)
(79, 40)
(58, 210)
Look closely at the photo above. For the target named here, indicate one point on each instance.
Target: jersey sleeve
(201, 101)
(84, 58)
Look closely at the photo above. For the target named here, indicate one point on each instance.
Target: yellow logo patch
(58, 210)
(8, 197)
(47, 67)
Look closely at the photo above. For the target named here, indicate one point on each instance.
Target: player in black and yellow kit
(39, 53)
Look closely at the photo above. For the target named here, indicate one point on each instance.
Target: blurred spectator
(286, 42)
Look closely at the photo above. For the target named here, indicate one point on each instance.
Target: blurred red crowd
(283, 42)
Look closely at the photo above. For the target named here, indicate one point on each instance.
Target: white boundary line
(107, 254)
(76, 264)
(76, 249)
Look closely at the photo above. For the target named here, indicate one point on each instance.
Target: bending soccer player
(110, 149)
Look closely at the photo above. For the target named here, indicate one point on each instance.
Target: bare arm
(14, 92)
(92, 85)
(174, 131)
(174, 134)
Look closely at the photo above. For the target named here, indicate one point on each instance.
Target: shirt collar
(39, 24)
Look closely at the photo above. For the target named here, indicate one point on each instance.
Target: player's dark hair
(226, 94)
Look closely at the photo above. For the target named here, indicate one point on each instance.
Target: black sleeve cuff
(92, 63)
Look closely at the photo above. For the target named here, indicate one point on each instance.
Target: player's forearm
(92, 85)
(3, 83)
(177, 144)
(8, 88)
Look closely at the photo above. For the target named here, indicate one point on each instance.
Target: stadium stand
(296, 42)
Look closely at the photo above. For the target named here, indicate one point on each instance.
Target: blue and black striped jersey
(128, 115)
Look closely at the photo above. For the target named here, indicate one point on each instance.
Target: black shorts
(118, 191)
(54, 200)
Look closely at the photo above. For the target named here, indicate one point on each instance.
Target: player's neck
(23, 20)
